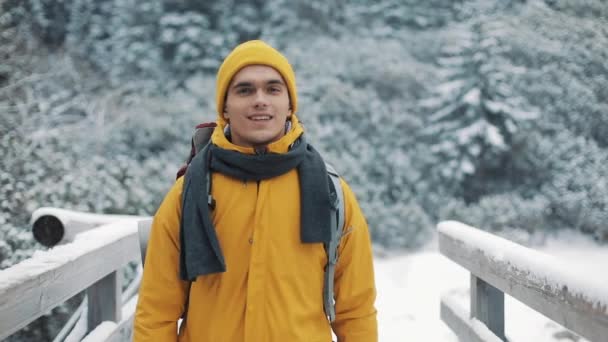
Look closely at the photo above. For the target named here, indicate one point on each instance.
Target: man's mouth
(260, 117)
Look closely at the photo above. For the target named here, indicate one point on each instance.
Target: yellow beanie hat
(249, 53)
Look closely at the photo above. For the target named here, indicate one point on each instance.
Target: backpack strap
(201, 138)
(337, 223)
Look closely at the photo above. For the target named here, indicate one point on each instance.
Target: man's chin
(265, 140)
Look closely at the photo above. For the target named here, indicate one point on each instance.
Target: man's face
(257, 106)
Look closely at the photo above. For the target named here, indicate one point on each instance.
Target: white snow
(75, 222)
(474, 129)
(500, 107)
(472, 97)
(46, 261)
(451, 87)
(410, 286)
(90, 219)
(554, 272)
(480, 329)
(79, 330)
(494, 137)
(524, 115)
(454, 61)
(101, 333)
(467, 167)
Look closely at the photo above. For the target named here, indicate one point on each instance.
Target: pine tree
(190, 45)
(577, 185)
(301, 19)
(388, 18)
(474, 113)
(49, 19)
(118, 37)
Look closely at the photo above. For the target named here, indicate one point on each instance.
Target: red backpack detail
(200, 138)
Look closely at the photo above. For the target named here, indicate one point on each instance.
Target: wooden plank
(71, 223)
(495, 263)
(124, 330)
(144, 227)
(104, 300)
(37, 285)
(121, 332)
(488, 306)
(466, 328)
(101, 332)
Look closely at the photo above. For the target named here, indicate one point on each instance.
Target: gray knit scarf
(200, 252)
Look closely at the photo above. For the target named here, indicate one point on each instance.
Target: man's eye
(274, 90)
(243, 91)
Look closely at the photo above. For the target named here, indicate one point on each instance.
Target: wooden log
(124, 330)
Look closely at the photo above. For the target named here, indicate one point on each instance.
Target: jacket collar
(280, 146)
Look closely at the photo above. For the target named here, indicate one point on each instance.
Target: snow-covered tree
(48, 20)
(507, 214)
(388, 18)
(190, 45)
(417, 104)
(357, 112)
(117, 37)
(474, 113)
(490, 112)
(578, 190)
(300, 19)
(564, 48)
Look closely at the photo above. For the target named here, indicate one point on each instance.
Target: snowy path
(409, 287)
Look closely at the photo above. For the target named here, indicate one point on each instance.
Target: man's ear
(225, 109)
(289, 113)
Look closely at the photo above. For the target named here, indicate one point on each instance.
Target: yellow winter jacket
(272, 289)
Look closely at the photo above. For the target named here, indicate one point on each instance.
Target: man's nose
(261, 99)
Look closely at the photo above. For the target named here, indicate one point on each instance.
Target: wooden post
(488, 306)
(104, 302)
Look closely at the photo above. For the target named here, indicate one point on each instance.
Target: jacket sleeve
(355, 290)
(162, 293)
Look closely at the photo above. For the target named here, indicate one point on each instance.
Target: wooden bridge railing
(556, 288)
(92, 262)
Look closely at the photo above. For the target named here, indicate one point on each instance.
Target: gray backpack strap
(202, 136)
(337, 223)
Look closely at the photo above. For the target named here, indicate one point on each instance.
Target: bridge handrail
(92, 262)
(556, 288)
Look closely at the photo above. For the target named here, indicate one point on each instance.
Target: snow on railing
(54, 226)
(92, 262)
(556, 288)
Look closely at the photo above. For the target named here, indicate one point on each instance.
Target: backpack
(200, 138)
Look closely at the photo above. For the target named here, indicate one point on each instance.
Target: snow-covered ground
(410, 285)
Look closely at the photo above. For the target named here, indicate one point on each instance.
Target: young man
(246, 260)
